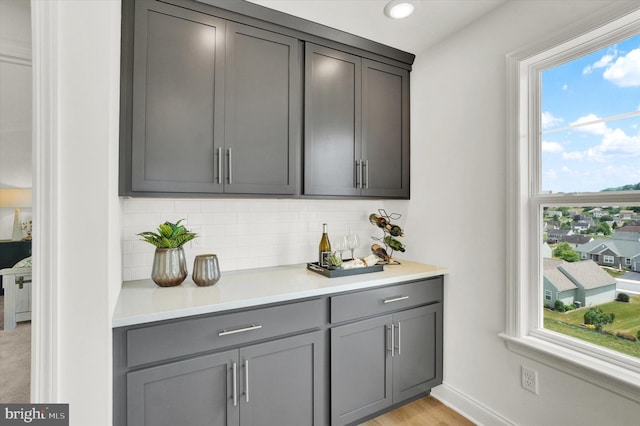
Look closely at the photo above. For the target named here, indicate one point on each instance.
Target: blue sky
(597, 86)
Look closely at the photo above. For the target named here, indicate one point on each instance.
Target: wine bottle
(393, 243)
(324, 249)
(379, 251)
(395, 231)
(378, 220)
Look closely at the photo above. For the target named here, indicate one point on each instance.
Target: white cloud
(618, 143)
(625, 71)
(615, 145)
(551, 147)
(594, 129)
(565, 87)
(600, 63)
(548, 120)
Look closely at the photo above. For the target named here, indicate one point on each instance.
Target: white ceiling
(432, 21)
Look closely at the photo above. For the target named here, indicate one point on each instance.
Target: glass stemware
(353, 242)
(341, 245)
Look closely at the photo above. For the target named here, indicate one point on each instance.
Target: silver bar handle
(246, 380)
(240, 330)
(235, 384)
(393, 340)
(390, 341)
(365, 167)
(220, 165)
(399, 337)
(230, 162)
(358, 174)
(395, 299)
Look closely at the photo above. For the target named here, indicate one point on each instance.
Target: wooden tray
(335, 273)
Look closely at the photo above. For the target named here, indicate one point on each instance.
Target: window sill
(616, 379)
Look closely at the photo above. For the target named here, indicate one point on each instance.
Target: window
(627, 262)
(547, 295)
(560, 160)
(608, 259)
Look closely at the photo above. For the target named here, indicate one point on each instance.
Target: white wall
(15, 105)
(77, 44)
(457, 215)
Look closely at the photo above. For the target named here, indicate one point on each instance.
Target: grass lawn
(627, 320)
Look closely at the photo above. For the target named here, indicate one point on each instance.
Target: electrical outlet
(198, 241)
(530, 380)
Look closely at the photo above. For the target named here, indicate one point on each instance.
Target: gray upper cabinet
(261, 106)
(215, 106)
(217, 97)
(356, 138)
(178, 94)
(385, 130)
(332, 121)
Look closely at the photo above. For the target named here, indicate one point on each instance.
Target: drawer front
(190, 336)
(365, 303)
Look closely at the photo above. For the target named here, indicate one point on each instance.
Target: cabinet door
(360, 369)
(194, 392)
(417, 364)
(282, 382)
(385, 130)
(178, 94)
(262, 100)
(332, 132)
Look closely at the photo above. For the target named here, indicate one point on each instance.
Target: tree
(565, 252)
(604, 228)
(596, 317)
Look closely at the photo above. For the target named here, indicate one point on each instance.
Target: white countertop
(142, 301)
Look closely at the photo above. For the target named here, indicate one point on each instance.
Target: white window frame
(524, 332)
(548, 295)
(608, 259)
(627, 262)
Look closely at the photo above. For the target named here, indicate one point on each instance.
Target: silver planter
(169, 267)
(206, 270)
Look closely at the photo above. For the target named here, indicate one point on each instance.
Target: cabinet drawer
(191, 336)
(365, 303)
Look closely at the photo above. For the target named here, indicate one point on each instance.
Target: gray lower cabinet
(356, 126)
(214, 106)
(274, 383)
(382, 361)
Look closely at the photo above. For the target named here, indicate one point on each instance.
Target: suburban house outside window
(573, 153)
(627, 262)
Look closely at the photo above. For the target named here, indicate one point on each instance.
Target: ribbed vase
(206, 270)
(169, 267)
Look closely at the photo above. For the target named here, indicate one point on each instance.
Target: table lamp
(15, 198)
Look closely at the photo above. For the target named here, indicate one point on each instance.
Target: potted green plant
(169, 262)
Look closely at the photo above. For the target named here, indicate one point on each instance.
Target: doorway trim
(45, 353)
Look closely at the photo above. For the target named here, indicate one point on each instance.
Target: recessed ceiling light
(398, 9)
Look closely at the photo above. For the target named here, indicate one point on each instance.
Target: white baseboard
(468, 407)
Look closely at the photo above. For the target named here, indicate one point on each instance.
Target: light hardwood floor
(427, 411)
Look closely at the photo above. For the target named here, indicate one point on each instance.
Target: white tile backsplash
(250, 233)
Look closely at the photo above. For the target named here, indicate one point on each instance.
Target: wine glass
(341, 244)
(353, 242)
